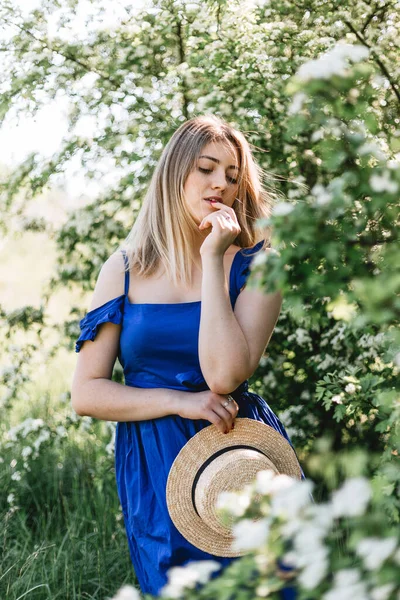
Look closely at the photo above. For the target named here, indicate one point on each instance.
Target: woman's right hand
(208, 405)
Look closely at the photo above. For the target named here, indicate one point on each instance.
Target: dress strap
(126, 272)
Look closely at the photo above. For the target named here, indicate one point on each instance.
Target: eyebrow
(216, 160)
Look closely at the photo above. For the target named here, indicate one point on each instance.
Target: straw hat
(210, 463)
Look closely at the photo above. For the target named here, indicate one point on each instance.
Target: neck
(197, 241)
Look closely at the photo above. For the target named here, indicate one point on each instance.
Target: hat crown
(227, 472)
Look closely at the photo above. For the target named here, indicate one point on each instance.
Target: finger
(225, 415)
(217, 420)
(228, 209)
(232, 407)
(222, 222)
(205, 223)
(208, 221)
(229, 224)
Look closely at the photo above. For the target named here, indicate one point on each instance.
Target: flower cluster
(277, 520)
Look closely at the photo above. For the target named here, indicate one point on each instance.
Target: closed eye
(210, 170)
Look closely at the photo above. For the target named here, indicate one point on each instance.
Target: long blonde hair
(164, 230)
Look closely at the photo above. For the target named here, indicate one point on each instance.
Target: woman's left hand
(224, 229)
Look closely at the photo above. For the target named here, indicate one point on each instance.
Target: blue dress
(159, 349)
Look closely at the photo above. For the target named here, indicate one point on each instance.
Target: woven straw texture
(229, 471)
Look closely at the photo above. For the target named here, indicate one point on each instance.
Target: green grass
(67, 539)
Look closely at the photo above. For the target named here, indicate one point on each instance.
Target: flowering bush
(32, 443)
(340, 278)
(314, 88)
(340, 548)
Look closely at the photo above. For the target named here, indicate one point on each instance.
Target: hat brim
(195, 453)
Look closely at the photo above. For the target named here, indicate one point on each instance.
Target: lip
(213, 199)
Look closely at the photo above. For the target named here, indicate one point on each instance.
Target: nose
(219, 179)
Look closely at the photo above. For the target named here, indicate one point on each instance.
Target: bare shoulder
(110, 281)
(232, 250)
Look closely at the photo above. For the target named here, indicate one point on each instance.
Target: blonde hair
(164, 230)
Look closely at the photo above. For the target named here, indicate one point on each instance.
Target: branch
(376, 58)
(64, 55)
(182, 58)
(377, 10)
(370, 243)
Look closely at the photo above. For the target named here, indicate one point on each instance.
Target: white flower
(297, 103)
(375, 551)
(382, 592)
(393, 164)
(312, 554)
(202, 569)
(86, 423)
(347, 577)
(350, 388)
(337, 399)
(352, 498)
(322, 195)
(270, 379)
(317, 135)
(313, 574)
(309, 547)
(290, 559)
(321, 515)
(259, 259)
(347, 586)
(268, 482)
(61, 431)
(263, 481)
(10, 498)
(16, 476)
(282, 209)
(250, 535)
(333, 62)
(180, 578)
(302, 336)
(43, 436)
(24, 428)
(383, 183)
(26, 451)
(235, 503)
(127, 592)
(110, 448)
(292, 500)
(371, 148)
(325, 363)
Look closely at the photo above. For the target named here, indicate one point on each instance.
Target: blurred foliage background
(314, 87)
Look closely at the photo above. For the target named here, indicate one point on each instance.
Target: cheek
(190, 185)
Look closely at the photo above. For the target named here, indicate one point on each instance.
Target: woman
(184, 327)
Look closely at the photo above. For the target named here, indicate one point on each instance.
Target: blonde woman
(172, 305)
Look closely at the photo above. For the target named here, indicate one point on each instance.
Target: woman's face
(215, 174)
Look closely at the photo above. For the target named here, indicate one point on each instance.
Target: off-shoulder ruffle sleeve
(243, 270)
(110, 312)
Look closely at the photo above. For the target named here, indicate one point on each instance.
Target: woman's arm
(108, 400)
(231, 343)
(94, 394)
